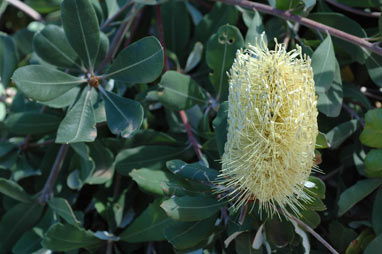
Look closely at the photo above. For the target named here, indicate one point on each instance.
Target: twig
(133, 29)
(109, 248)
(26, 9)
(47, 142)
(332, 173)
(191, 137)
(306, 22)
(182, 113)
(353, 114)
(371, 95)
(118, 39)
(48, 188)
(355, 11)
(161, 35)
(119, 12)
(313, 233)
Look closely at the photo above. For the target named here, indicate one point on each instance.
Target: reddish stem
(133, 29)
(191, 137)
(182, 113)
(306, 22)
(161, 35)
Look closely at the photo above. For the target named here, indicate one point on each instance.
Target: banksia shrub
(272, 118)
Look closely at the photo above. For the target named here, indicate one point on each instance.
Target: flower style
(272, 118)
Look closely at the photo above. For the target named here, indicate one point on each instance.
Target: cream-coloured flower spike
(272, 118)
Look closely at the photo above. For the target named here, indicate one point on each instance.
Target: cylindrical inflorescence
(272, 119)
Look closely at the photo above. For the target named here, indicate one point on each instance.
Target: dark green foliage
(111, 142)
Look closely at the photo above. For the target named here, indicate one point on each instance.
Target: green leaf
(81, 27)
(330, 101)
(356, 193)
(44, 83)
(375, 246)
(315, 204)
(188, 208)
(103, 47)
(321, 142)
(221, 14)
(311, 218)
(103, 159)
(68, 237)
(33, 123)
(79, 123)
(243, 244)
(345, 24)
(194, 57)
(177, 23)
(124, 116)
(13, 190)
(184, 235)
(8, 58)
(255, 29)
(372, 132)
(141, 62)
(221, 51)
(86, 164)
(373, 163)
(193, 172)
(340, 236)
(324, 65)
(16, 221)
(63, 209)
(220, 125)
(137, 157)
(180, 91)
(44, 6)
(309, 3)
(65, 100)
(51, 45)
(340, 133)
(374, 68)
(6, 147)
(376, 219)
(159, 182)
(148, 226)
(28, 243)
(315, 187)
(279, 232)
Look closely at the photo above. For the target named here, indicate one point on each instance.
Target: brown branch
(133, 29)
(306, 22)
(48, 188)
(26, 9)
(355, 11)
(313, 233)
(119, 12)
(47, 142)
(118, 38)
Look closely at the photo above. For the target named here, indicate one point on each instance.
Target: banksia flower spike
(272, 118)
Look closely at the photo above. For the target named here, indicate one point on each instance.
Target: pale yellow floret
(272, 119)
